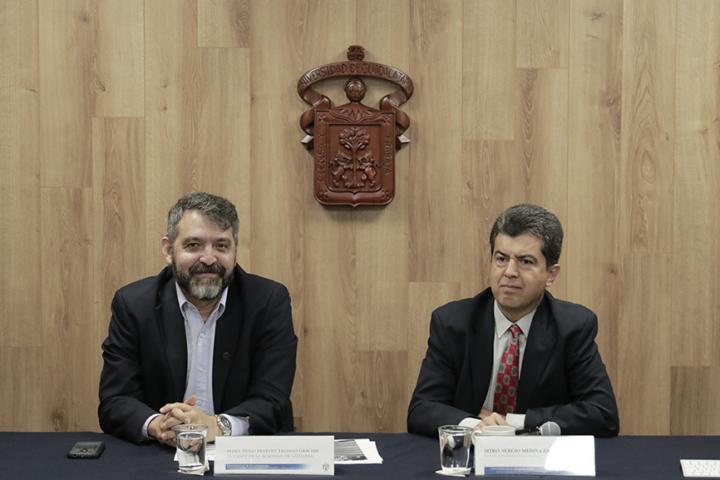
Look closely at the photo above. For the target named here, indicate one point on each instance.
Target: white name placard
(535, 455)
(278, 455)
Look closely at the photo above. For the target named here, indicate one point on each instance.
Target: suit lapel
(172, 329)
(227, 333)
(481, 349)
(538, 350)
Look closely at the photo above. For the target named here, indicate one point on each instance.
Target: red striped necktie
(505, 400)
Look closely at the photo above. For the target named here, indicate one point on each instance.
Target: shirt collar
(182, 300)
(502, 323)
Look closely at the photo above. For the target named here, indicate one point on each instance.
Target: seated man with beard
(203, 342)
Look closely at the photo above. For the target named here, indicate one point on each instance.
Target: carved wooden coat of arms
(354, 144)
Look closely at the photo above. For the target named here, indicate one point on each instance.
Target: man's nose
(208, 256)
(511, 268)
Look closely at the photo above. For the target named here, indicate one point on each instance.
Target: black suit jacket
(563, 378)
(145, 355)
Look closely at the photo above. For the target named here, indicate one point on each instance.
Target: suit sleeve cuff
(145, 426)
(239, 425)
(470, 422)
(517, 420)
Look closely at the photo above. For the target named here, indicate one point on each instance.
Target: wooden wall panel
(118, 208)
(647, 173)
(695, 389)
(605, 111)
(66, 37)
(223, 23)
(696, 224)
(19, 176)
(641, 380)
(23, 384)
(648, 121)
(542, 33)
(118, 56)
(488, 68)
(71, 335)
(434, 235)
(595, 257)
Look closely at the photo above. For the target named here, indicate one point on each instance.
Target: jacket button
(226, 356)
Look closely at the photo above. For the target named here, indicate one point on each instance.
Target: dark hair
(218, 210)
(535, 220)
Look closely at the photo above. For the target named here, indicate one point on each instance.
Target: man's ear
(553, 273)
(166, 250)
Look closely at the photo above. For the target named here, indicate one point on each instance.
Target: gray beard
(201, 289)
(205, 289)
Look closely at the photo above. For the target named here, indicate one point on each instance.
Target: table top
(43, 456)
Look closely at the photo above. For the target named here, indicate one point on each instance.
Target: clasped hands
(160, 428)
(488, 418)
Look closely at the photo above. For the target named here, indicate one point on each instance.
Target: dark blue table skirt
(42, 456)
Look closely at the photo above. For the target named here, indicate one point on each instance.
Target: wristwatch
(224, 425)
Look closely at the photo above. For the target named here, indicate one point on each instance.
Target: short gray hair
(535, 220)
(218, 210)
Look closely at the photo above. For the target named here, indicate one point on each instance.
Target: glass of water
(191, 442)
(455, 442)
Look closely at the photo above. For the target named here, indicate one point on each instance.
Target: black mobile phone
(86, 450)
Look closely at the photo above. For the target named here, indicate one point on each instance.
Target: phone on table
(86, 450)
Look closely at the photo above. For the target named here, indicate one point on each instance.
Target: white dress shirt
(501, 339)
(200, 337)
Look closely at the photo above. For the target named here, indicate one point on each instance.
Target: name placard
(570, 455)
(278, 455)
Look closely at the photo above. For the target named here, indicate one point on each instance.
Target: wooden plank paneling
(647, 170)
(542, 33)
(696, 225)
(488, 74)
(434, 225)
(382, 399)
(19, 175)
(66, 35)
(119, 43)
(695, 389)
(642, 380)
(595, 257)
(648, 120)
(119, 208)
(223, 23)
(71, 334)
(22, 386)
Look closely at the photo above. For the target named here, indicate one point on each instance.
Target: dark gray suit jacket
(563, 379)
(145, 355)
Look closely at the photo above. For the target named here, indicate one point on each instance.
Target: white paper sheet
(356, 451)
(700, 468)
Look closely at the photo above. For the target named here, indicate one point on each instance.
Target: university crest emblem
(353, 144)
